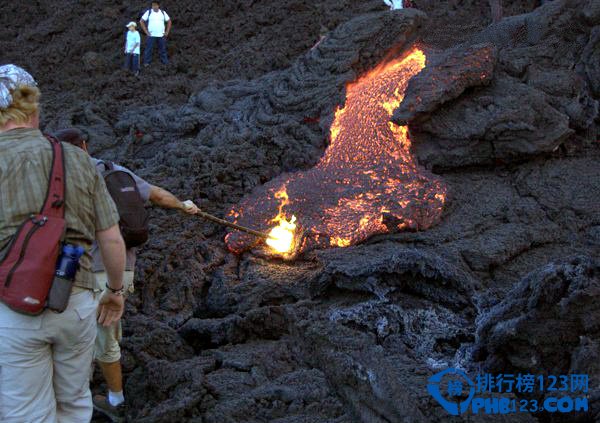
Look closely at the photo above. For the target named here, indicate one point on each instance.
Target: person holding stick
(107, 349)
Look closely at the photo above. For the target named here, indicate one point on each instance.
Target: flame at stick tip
(281, 237)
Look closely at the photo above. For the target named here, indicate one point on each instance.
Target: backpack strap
(54, 204)
(150, 11)
(108, 166)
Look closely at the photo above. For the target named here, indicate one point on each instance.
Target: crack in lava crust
(366, 183)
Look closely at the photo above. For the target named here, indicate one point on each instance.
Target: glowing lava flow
(367, 181)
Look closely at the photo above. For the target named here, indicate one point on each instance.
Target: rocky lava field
(506, 115)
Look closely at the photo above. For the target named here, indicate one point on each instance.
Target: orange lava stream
(367, 181)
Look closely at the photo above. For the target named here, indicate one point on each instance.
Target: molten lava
(366, 183)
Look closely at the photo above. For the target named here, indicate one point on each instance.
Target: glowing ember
(281, 238)
(366, 183)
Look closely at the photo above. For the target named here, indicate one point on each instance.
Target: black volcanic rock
(417, 271)
(361, 330)
(506, 121)
(549, 323)
(591, 60)
(536, 99)
(446, 79)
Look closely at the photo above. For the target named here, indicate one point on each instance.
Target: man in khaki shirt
(45, 360)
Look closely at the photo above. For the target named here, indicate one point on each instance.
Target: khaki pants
(107, 349)
(45, 363)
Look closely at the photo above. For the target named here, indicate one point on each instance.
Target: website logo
(458, 394)
(455, 381)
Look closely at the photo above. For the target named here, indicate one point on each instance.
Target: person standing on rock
(132, 49)
(394, 4)
(108, 351)
(45, 359)
(496, 10)
(156, 24)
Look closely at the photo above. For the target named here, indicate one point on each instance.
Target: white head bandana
(11, 77)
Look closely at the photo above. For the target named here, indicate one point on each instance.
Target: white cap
(132, 23)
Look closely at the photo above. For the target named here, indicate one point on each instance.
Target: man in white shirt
(394, 4)
(157, 32)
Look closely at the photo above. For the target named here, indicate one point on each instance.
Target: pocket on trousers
(85, 304)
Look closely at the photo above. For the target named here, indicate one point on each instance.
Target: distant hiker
(399, 4)
(108, 352)
(132, 49)
(496, 10)
(153, 24)
(394, 4)
(45, 359)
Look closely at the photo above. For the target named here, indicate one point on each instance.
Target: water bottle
(68, 261)
(66, 269)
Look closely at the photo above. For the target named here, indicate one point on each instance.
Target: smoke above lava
(367, 181)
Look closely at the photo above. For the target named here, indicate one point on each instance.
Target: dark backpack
(132, 213)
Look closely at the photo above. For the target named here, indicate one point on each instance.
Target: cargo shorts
(107, 349)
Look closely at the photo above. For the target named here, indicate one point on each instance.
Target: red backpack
(27, 270)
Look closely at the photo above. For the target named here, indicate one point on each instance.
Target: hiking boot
(115, 414)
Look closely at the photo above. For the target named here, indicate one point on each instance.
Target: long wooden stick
(231, 225)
